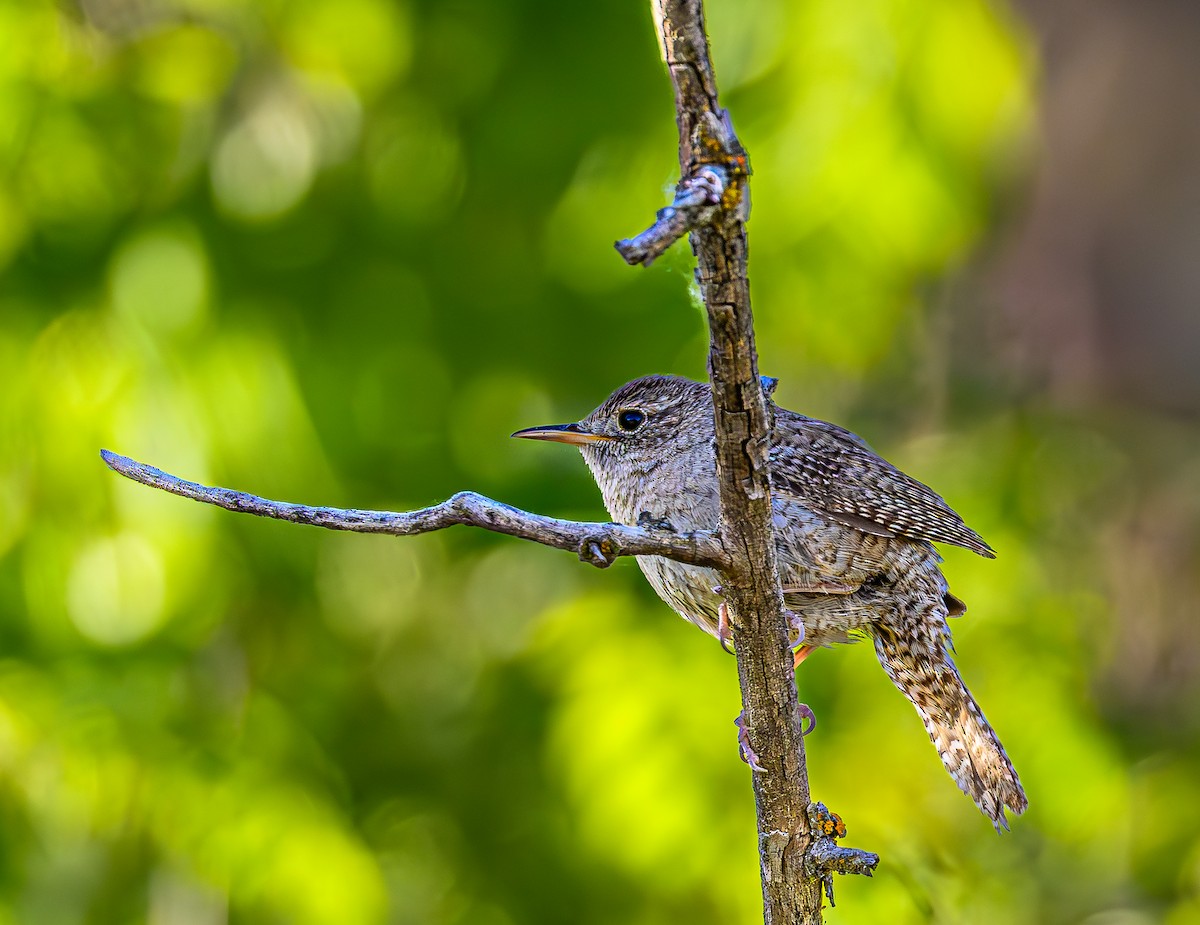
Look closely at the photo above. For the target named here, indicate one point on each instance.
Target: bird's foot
(796, 639)
(795, 624)
(746, 751)
(804, 711)
(795, 629)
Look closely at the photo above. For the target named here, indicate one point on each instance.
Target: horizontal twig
(596, 543)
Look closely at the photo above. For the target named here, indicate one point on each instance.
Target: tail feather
(967, 745)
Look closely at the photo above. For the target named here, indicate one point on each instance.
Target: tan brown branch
(791, 883)
(596, 543)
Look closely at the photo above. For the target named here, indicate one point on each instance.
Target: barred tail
(966, 743)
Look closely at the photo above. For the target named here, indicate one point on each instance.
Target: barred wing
(835, 473)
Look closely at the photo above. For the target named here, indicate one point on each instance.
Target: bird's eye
(630, 419)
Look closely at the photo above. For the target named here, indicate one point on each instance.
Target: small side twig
(713, 189)
(825, 857)
(598, 544)
(697, 201)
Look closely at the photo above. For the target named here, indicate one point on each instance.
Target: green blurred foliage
(336, 250)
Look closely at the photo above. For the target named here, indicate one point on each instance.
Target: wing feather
(834, 472)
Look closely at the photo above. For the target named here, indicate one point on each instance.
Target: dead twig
(596, 543)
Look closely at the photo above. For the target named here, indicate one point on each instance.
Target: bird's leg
(796, 634)
(802, 652)
(813, 586)
(723, 631)
(796, 638)
(650, 522)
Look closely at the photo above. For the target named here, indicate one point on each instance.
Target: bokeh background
(336, 250)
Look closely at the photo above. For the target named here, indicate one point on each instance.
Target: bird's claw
(795, 625)
(804, 711)
(745, 751)
(724, 633)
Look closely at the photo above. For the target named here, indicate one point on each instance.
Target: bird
(854, 538)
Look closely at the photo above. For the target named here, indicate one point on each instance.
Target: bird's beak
(562, 433)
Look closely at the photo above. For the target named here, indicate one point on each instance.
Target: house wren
(854, 538)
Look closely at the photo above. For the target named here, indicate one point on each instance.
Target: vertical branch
(751, 583)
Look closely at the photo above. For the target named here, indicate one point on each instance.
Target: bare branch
(707, 142)
(595, 543)
(797, 851)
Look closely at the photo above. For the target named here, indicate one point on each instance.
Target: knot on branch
(600, 551)
(825, 857)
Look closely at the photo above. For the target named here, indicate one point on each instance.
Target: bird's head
(641, 425)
